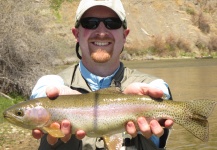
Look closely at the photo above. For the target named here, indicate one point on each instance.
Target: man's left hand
(145, 127)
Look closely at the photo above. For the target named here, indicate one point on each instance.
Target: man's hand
(65, 126)
(145, 127)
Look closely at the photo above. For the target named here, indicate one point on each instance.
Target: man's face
(101, 44)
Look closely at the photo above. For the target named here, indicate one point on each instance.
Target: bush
(213, 43)
(158, 45)
(201, 22)
(26, 50)
(190, 11)
(170, 46)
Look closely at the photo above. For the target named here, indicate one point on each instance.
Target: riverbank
(13, 137)
(16, 138)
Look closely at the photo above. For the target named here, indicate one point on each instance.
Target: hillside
(193, 23)
(35, 36)
(186, 27)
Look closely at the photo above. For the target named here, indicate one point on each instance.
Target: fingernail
(129, 124)
(164, 96)
(65, 125)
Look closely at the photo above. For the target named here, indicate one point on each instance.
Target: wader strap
(119, 75)
(73, 76)
(171, 98)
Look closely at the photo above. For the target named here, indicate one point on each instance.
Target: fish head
(30, 115)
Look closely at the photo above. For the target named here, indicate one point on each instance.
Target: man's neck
(102, 69)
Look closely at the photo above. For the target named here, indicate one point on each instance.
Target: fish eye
(19, 112)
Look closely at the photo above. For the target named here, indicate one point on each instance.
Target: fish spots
(104, 112)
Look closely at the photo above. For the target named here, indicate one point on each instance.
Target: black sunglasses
(93, 23)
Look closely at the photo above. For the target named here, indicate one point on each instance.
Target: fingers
(143, 89)
(50, 139)
(66, 129)
(156, 128)
(52, 92)
(152, 92)
(80, 134)
(168, 124)
(37, 134)
(131, 129)
(65, 90)
(144, 127)
(147, 129)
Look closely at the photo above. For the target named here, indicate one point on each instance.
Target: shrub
(26, 50)
(184, 45)
(201, 44)
(190, 11)
(158, 45)
(201, 22)
(213, 43)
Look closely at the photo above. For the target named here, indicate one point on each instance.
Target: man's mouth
(101, 43)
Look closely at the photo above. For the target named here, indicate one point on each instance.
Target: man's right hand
(65, 126)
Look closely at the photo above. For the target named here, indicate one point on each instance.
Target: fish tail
(196, 122)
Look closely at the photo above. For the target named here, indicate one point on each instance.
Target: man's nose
(101, 29)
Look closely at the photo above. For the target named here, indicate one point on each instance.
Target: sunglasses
(92, 23)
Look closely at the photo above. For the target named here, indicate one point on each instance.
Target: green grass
(5, 103)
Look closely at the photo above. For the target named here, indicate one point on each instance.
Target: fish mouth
(8, 117)
(5, 115)
(11, 118)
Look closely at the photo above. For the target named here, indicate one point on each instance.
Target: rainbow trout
(105, 112)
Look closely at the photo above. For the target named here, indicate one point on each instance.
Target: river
(189, 79)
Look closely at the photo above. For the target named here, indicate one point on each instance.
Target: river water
(189, 79)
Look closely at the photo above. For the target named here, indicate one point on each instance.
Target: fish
(105, 112)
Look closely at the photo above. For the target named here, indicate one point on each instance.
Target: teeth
(101, 43)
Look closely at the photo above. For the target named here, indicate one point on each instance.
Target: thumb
(152, 92)
(52, 92)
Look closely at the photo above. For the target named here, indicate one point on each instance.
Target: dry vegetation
(27, 47)
(179, 29)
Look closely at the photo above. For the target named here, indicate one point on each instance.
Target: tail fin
(197, 122)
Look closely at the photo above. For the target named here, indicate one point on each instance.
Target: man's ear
(126, 32)
(75, 33)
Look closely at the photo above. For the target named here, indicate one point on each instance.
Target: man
(101, 31)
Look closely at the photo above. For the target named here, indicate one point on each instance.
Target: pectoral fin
(113, 142)
(55, 132)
